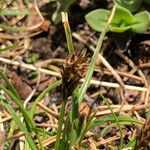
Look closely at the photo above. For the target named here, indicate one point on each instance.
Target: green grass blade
(107, 129)
(112, 125)
(18, 102)
(10, 86)
(9, 48)
(68, 33)
(96, 122)
(130, 145)
(73, 133)
(44, 133)
(20, 125)
(60, 123)
(29, 122)
(116, 119)
(94, 58)
(75, 105)
(12, 128)
(42, 94)
(84, 128)
(66, 133)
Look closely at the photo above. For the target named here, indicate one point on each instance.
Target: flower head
(73, 71)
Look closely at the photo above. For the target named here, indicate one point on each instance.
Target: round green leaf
(122, 17)
(119, 29)
(122, 20)
(97, 19)
(141, 22)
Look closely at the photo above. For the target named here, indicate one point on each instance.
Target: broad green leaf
(141, 22)
(131, 5)
(97, 19)
(122, 17)
(119, 29)
(121, 22)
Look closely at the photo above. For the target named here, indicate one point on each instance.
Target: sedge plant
(72, 127)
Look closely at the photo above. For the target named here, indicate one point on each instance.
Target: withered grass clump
(143, 138)
(73, 71)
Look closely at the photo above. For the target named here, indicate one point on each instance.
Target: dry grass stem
(48, 141)
(46, 125)
(145, 65)
(1, 124)
(48, 110)
(92, 144)
(107, 141)
(29, 66)
(16, 136)
(32, 67)
(116, 85)
(29, 98)
(131, 64)
(44, 63)
(5, 119)
(120, 108)
(116, 75)
(147, 96)
(126, 74)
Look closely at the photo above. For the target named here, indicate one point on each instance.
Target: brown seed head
(72, 72)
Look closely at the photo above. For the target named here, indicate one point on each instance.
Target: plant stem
(94, 58)
(60, 123)
(68, 33)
